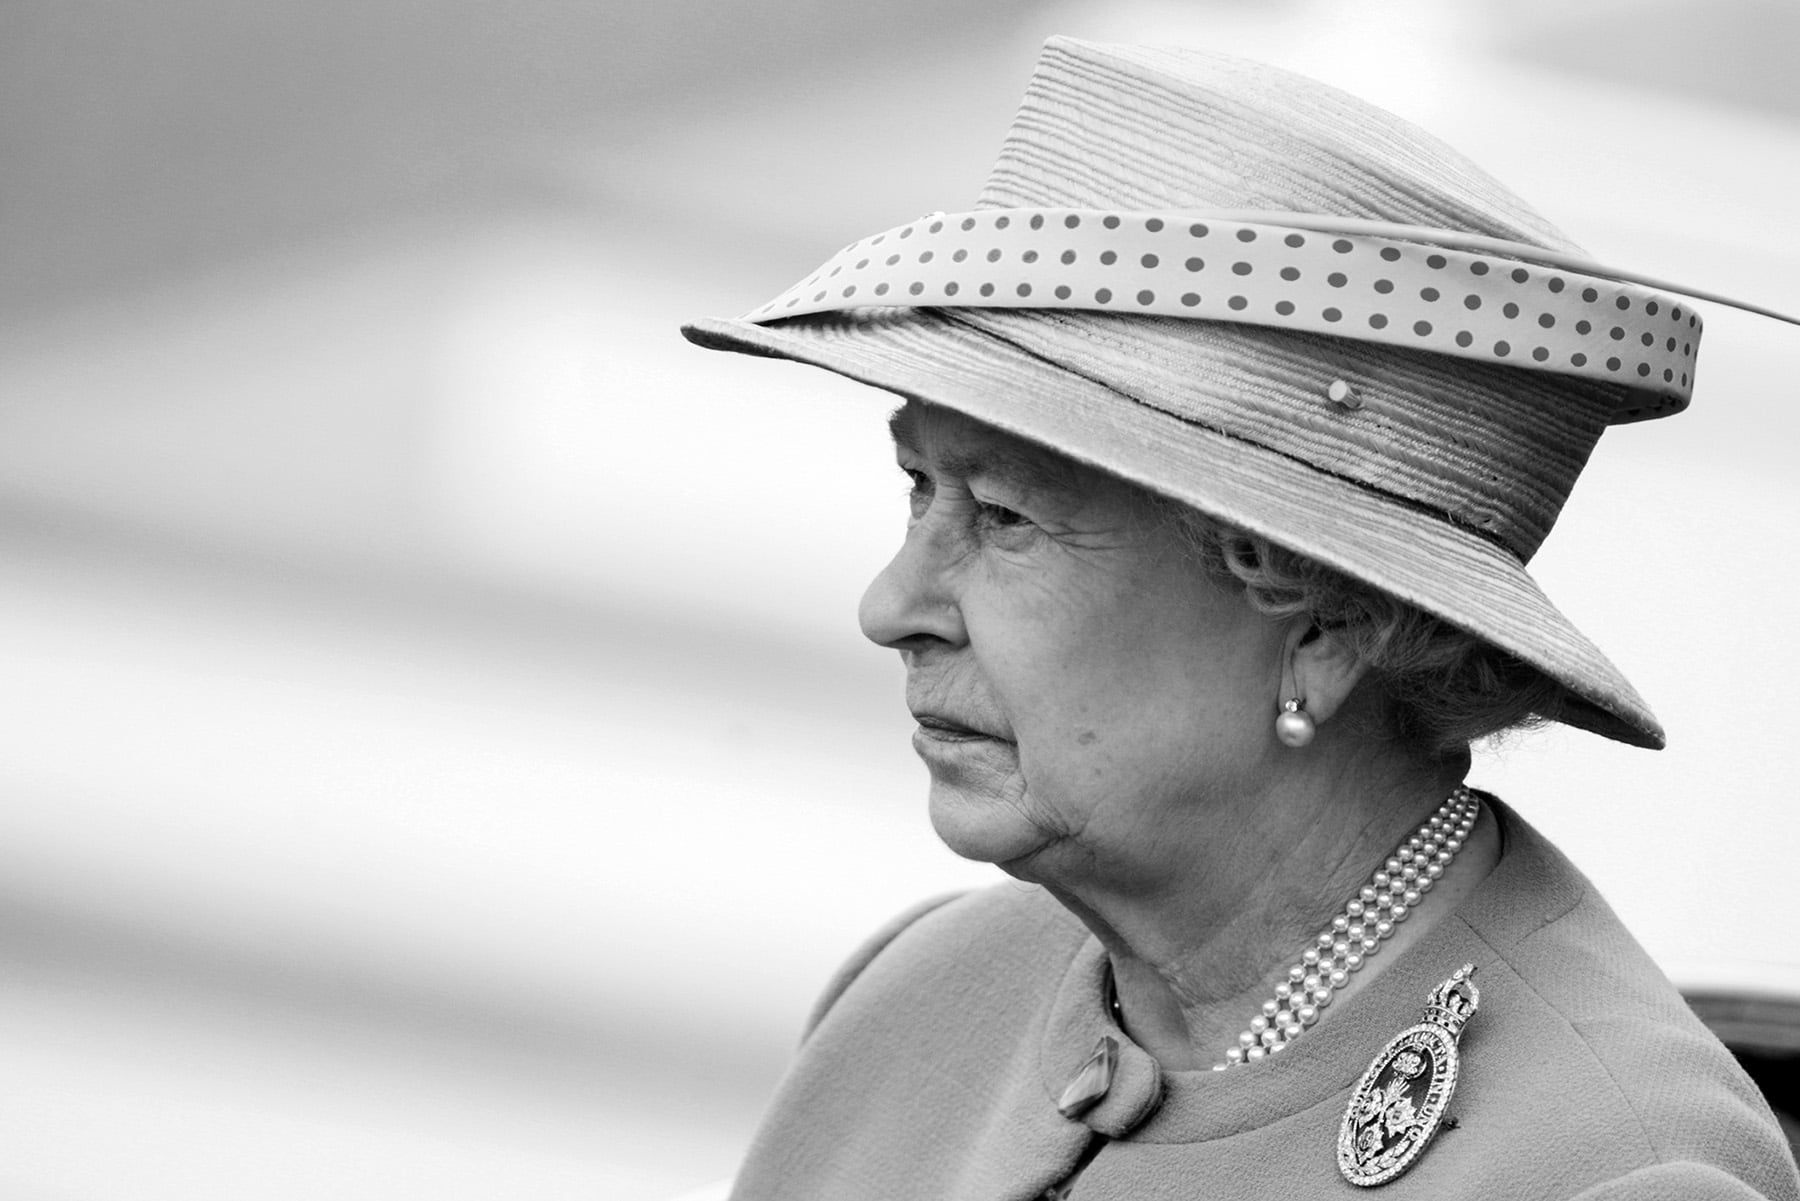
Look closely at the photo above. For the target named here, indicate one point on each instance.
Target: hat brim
(1442, 568)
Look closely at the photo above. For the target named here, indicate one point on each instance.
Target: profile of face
(1090, 701)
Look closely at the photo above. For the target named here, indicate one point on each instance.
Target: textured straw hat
(1264, 298)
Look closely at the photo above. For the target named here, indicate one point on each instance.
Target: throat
(1276, 996)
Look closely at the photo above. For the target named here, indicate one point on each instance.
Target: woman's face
(1088, 699)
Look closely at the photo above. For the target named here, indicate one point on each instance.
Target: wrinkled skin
(1097, 715)
(1108, 692)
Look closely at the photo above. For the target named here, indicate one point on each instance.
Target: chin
(984, 828)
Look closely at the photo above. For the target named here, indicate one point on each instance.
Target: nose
(912, 604)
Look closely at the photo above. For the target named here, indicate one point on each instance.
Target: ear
(1325, 671)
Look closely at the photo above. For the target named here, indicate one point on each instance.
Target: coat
(934, 1061)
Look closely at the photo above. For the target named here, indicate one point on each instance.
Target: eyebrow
(1022, 467)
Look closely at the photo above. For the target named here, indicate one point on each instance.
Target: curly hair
(1446, 687)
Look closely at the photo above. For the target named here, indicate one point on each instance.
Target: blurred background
(440, 760)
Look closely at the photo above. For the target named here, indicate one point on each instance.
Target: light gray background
(439, 756)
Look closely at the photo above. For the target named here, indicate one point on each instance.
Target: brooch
(1399, 1103)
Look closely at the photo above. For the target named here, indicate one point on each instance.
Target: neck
(1195, 956)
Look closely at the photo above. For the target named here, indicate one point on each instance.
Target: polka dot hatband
(1394, 292)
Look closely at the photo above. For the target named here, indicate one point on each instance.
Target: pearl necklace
(1367, 920)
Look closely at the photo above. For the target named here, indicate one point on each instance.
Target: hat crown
(1134, 128)
(1155, 127)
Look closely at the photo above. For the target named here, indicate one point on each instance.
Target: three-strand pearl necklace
(1367, 920)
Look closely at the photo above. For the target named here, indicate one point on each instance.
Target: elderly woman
(1233, 414)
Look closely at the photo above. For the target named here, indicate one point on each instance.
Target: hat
(1259, 296)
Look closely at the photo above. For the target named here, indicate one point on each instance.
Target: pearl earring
(1294, 726)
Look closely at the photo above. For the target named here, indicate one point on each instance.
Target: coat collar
(1531, 886)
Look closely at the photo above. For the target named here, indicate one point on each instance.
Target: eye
(920, 491)
(1004, 528)
(1001, 517)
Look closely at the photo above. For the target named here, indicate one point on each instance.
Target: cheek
(1125, 672)
(1161, 686)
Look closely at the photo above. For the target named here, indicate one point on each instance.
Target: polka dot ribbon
(1449, 299)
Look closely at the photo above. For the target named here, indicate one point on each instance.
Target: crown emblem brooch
(1399, 1104)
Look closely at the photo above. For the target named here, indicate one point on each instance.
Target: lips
(944, 729)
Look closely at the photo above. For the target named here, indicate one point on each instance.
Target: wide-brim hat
(1254, 294)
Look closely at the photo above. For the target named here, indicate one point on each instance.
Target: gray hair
(1446, 688)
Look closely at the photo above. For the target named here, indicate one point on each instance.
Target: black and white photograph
(1048, 600)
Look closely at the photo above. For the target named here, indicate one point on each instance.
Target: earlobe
(1322, 671)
